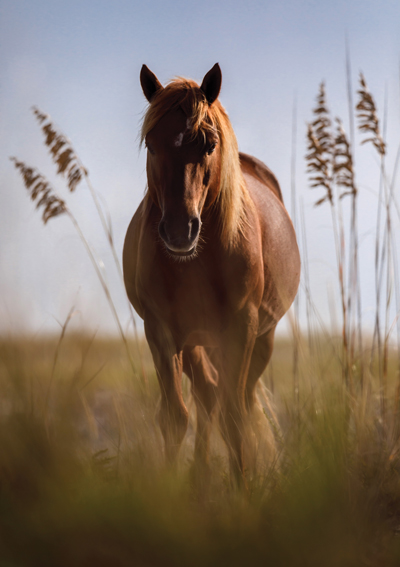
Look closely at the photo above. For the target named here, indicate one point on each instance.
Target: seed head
(61, 151)
(40, 191)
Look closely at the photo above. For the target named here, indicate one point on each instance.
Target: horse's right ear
(150, 84)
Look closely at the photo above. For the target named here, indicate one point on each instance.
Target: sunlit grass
(83, 480)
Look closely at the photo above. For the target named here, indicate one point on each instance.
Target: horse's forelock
(189, 97)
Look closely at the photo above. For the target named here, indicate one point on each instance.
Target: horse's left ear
(211, 84)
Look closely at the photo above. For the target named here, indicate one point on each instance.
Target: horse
(210, 261)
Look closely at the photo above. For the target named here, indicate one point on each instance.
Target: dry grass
(83, 480)
(82, 474)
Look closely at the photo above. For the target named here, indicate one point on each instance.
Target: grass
(82, 474)
(83, 482)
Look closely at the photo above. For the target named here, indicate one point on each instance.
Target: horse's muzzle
(180, 238)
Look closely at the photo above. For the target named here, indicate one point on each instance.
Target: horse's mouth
(182, 254)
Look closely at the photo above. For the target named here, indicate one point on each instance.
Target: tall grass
(82, 474)
(331, 165)
(40, 190)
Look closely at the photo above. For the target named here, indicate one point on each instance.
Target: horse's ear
(211, 84)
(150, 84)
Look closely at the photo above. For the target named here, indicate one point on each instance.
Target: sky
(80, 61)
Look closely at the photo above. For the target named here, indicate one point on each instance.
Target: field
(83, 480)
(82, 475)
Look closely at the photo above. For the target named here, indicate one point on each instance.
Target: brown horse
(210, 262)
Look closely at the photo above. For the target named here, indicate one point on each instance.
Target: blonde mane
(233, 195)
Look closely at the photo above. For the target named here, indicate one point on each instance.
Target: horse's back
(256, 168)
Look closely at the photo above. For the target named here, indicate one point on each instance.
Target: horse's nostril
(194, 228)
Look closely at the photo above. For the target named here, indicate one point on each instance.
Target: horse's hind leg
(260, 439)
(260, 357)
(203, 377)
(173, 416)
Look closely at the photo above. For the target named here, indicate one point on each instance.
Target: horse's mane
(233, 195)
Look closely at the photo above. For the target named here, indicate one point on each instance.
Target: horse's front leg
(167, 357)
(204, 378)
(236, 350)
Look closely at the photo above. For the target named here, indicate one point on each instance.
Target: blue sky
(80, 62)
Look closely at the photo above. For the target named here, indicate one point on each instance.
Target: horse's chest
(192, 299)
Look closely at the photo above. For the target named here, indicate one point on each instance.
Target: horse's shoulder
(134, 227)
(260, 171)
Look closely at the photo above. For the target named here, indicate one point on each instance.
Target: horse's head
(183, 155)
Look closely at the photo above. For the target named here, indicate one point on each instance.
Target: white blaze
(178, 139)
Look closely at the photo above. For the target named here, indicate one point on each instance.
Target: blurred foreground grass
(82, 479)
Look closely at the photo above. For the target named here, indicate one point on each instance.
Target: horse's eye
(211, 148)
(150, 148)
